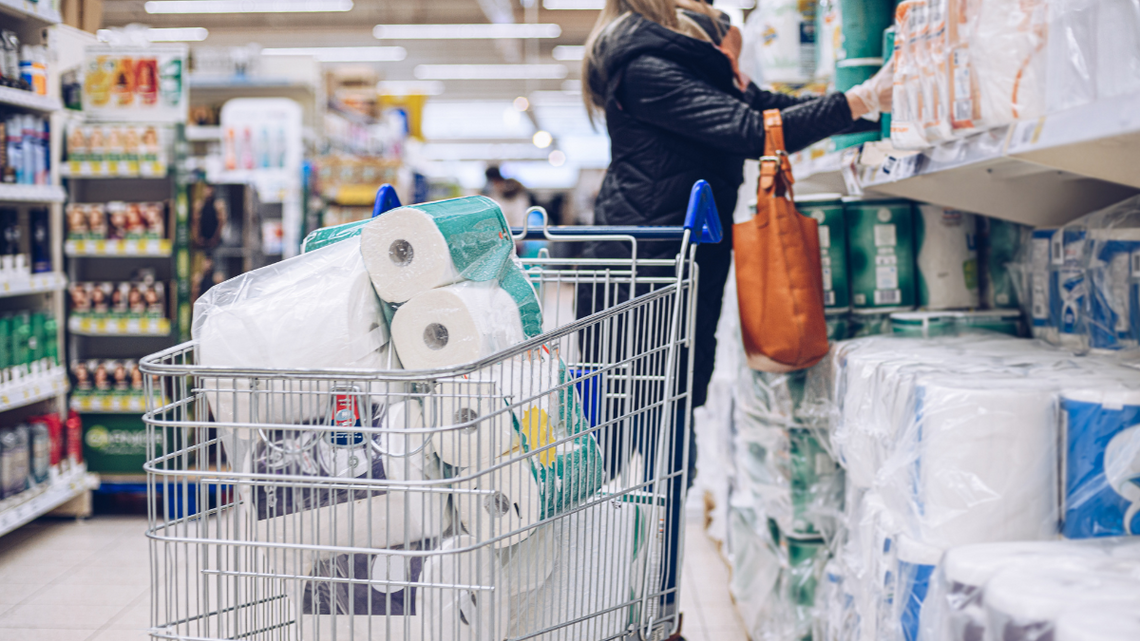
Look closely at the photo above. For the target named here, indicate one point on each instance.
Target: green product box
(6, 342)
(881, 257)
(827, 210)
(1001, 243)
(114, 443)
(21, 339)
(51, 339)
(37, 346)
(888, 55)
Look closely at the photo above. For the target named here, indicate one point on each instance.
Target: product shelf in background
(13, 193)
(159, 247)
(1042, 172)
(112, 404)
(33, 388)
(203, 132)
(119, 326)
(34, 503)
(40, 12)
(32, 284)
(29, 100)
(112, 169)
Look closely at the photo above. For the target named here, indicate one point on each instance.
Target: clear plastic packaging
(1008, 54)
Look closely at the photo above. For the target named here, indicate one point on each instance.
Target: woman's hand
(874, 96)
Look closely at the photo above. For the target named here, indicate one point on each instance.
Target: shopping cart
(537, 493)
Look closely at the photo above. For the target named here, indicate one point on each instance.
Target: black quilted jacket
(674, 116)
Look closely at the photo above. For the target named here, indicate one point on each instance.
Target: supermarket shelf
(31, 193)
(33, 284)
(817, 170)
(109, 404)
(28, 100)
(61, 488)
(159, 247)
(33, 388)
(203, 132)
(39, 12)
(119, 326)
(112, 169)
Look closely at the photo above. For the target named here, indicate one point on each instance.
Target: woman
(677, 111)
(664, 74)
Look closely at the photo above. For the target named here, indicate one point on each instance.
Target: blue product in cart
(1102, 463)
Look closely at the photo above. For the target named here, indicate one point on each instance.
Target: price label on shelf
(134, 326)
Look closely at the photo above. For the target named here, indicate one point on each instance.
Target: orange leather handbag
(779, 280)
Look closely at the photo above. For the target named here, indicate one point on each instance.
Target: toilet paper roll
(406, 438)
(500, 503)
(473, 610)
(1102, 462)
(413, 249)
(481, 426)
(1116, 623)
(916, 563)
(947, 258)
(1024, 605)
(457, 324)
(527, 565)
(312, 311)
(986, 461)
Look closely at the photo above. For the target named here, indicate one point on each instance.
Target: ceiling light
(491, 72)
(556, 5)
(172, 34)
(246, 6)
(542, 139)
(464, 31)
(557, 158)
(409, 87)
(521, 104)
(569, 52)
(341, 54)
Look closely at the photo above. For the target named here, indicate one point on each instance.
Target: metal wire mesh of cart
(533, 494)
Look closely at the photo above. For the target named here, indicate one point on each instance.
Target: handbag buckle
(776, 158)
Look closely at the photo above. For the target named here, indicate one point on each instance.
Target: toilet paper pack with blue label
(1102, 462)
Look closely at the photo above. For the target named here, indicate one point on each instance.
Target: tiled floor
(88, 581)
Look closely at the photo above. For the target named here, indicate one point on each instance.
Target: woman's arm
(669, 96)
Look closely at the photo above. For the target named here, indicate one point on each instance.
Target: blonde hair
(667, 13)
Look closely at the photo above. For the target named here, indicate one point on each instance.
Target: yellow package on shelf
(120, 326)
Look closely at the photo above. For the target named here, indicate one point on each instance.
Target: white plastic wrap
(907, 130)
(1008, 54)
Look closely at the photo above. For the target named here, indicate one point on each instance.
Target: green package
(37, 345)
(1001, 243)
(6, 360)
(51, 339)
(21, 340)
(924, 324)
(881, 256)
(816, 483)
(827, 210)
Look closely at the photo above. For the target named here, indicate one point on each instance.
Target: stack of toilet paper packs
(454, 475)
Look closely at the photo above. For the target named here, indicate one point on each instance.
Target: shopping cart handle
(386, 198)
(701, 218)
(640, 233)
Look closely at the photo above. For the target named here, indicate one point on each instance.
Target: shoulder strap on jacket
(775, 160)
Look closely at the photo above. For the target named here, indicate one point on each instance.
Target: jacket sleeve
(761, 99)
(667, 95)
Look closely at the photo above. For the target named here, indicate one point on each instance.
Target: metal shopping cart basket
(537, 493)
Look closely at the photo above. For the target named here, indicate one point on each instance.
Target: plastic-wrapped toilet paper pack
(1008, 54)
(1024, 605)
(1119, 623)
(954, 605)
(412, 249)
(1117, 48)
(596, 562)
(501, 504)
(463, 602)
(312, 311)
(985, 460)
(381, 602)
(465, 322)
(916, 564)
(1102, 462)
(947, 258)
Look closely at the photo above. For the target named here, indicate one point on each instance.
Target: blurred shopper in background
(511, 195)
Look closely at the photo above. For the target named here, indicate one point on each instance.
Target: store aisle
(64, 580)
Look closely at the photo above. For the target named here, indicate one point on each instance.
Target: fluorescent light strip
(342, 54)
(169, 34)
(569, 52)
(573, 5)
(491, 72)
(409, 87)
(464, 31)
(246, 6)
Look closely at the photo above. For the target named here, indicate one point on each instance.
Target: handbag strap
(775, 167)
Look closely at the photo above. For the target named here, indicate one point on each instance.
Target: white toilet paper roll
(974, 565)
(500, 502)
(421, 247)
(482, 425)
(477, 611)
(456, 324)
(406, 438)
(1024, 605)
(947, 258)
(1118, 623)
(986, 461)
(527, 565)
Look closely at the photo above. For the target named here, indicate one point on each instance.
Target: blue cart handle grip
(701, 217)
(386, 199)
